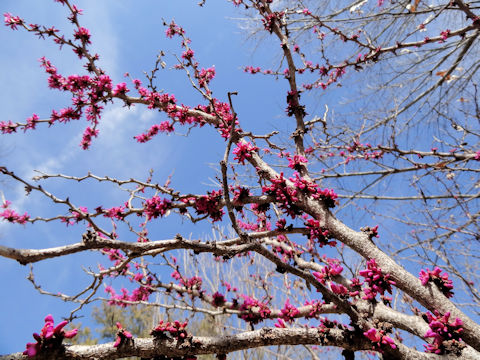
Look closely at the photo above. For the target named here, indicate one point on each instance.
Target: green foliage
(137, 319)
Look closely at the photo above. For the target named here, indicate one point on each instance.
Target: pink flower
(83, 35)
(443, 283)
(378, 282)
(156, 207)
(120, 89)
(296, 163)
(50, 337)
(243, 152)
(122, 336)
(378, 338)
(88, 134)
(12, 21)
(445, 334)
(339, 289)
(289, 311)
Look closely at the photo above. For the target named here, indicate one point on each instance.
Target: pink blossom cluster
(11, 215)
(378, 282)
(316, 308)
(297, 162)
(164, 126)
(285, 252)
(253, 310)
(83, 35)
(289, 312)
(155, 207)
(120, 89)
(293, 106)
(243, 152)
(204, 76)
(117, 258)
(193, 283)
(175, 329)
(248, 226)
(174, 29)
(443, 283)
(240, 193)
(285, 196)
(252, 70)
(308, 187)
(218, 299)
(87, 136)
(444, 35)
(12, 21)
(223, 110)
(113, 213)
(339, 290)
(270, 19)
(80, 214)
(228, 286)
(50, 337)
(87, 92)
(333, 77)
(318, 234)
(378, 338)
(327, 272)
(123, 336)
(446, 335)
(210, 205)
(142, 293)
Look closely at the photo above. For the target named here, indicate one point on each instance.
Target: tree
(303, 213)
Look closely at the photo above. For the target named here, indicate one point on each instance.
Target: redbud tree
(348, 220)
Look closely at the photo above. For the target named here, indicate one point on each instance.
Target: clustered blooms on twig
(446, 335)
(443, 283)
(378, 338)
(11, 215)
(253, 317)
(142, 293)
(209, 205)
(175, 329)
(50, 337)
(289, 312)
(378, 282)
(123, 336)
(156, 207)
(243, 152)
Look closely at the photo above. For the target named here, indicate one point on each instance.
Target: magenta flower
(378, 338)
(50, 337)
(445, 334)
(289, 312)
(83, 35)
(243, 152)
(378, 282)
(174, 328)
(443, 283)
(120, 89)
(123, 336)
(155, 207)
(12, 21)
